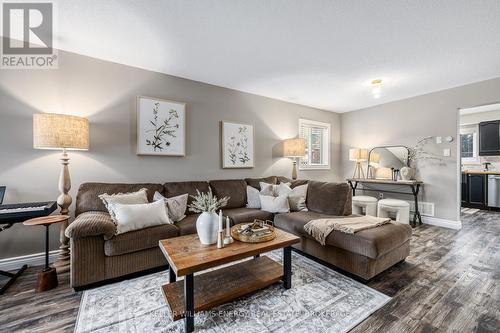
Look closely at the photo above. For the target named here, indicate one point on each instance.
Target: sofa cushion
(174, 189)
(139, 239)
(293, 183)
(91, 224)
(255, 182)
(235, 189)
(240, 215)
(87, 198)
(371, 243)
(329, 198)
(298, 182)
(187, 225)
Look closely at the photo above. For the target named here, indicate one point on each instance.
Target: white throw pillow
(272, 204)
(270, 189)
(129, 217)
(176, 206)
(253, 200)
(139, 197)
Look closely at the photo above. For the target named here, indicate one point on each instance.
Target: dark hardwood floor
(449, 283)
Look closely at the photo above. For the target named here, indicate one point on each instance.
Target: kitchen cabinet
(489, 138)
(464, 189)
(476, 186)
(474, 190)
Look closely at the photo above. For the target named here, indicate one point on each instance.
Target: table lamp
(294, 149)
(358, 155)
(65, 132)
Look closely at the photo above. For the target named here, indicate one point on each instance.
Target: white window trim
(327, 141)
(475, 156)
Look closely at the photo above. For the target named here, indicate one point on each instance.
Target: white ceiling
(319, 53)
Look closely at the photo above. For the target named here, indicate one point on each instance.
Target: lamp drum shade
(358, 154)
(294, 147)
(60, 131)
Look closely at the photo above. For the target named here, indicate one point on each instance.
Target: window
(468, 144)
(317, 135)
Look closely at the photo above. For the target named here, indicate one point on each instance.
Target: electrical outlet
(380, 195)
(447, 152)
(439, 139)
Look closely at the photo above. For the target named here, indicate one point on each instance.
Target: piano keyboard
(13, 213)
(21, 209)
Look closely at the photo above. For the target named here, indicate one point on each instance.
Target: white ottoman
(400, 207)
(362, 201)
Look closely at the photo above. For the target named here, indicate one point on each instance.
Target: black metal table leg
(189, 302)
(287, 267)
(171, 275)
(256, 256)
(353, 187)
(47, 268)
(416, 215)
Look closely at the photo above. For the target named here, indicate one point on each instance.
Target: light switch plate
(447, 152)
(439, 139)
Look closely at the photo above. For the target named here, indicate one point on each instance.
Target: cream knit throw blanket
(321, 228)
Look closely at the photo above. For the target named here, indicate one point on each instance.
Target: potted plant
(207, 223)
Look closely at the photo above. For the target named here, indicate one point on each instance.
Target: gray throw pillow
(176, 206)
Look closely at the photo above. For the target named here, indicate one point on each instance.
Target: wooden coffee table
(186, 256)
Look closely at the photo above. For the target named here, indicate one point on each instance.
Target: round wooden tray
(251, 238)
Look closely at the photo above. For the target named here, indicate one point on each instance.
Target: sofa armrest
(91, 224)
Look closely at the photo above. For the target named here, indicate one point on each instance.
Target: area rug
(321, 300)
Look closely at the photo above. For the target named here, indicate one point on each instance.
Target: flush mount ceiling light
(376, 88)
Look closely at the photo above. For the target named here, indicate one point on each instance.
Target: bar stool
(400, 207)
(360, 202)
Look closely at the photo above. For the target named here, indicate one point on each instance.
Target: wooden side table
(47, 278)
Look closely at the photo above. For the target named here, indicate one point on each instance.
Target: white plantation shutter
(317, 136)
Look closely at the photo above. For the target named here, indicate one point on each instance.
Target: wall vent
(425, 208)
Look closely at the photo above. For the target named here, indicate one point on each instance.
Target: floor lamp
(63, 132)
(294, 149)
(358, 155)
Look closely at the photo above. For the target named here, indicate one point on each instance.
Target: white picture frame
(237, 145)
(161, 127)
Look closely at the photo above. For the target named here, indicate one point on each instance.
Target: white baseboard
(457, 225)
(35, 259)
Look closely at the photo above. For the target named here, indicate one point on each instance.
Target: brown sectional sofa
(97, 254)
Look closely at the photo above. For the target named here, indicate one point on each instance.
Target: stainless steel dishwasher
(494, 191)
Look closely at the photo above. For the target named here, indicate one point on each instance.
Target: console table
(414, 186)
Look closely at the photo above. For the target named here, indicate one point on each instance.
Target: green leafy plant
(206, 202)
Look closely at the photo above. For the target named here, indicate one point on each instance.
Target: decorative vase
(207, 228)
(406, 173)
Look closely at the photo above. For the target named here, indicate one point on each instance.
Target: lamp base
(64, 201)
(358, 171)
(294, 170)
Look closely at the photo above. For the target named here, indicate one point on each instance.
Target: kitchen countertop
(491, 172)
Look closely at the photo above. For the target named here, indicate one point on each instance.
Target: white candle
(220, 220)
(228, 226)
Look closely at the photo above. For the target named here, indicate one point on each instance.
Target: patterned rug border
(352, 325)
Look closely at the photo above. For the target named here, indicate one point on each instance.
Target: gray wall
(409, 120)
(105, 93)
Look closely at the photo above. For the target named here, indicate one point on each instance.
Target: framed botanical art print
(161, 127)
(237, 145)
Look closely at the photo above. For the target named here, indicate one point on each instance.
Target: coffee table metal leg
(189, 301)
(171, 275)
(287, 267)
